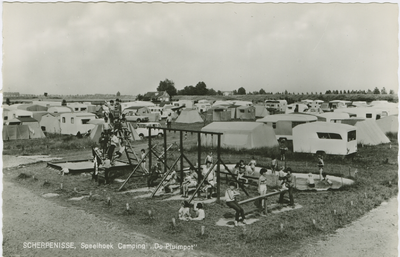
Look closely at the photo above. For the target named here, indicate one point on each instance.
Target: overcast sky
(87, 48)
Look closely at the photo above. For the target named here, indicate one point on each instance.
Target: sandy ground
(31, 218)
(375, 234)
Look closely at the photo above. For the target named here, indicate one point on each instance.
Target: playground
(128, 200)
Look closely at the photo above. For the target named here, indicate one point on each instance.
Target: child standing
(320, 166)
(262, 184)
(230, 196)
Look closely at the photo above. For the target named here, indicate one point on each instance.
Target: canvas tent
(389, 124)
(24, 128)
(218, 113)
(239, 135)
(261, 111)
(283, 124)
(246, 113)
(189, 116)
(368, 132)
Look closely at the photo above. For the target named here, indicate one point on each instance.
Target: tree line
(201, 89)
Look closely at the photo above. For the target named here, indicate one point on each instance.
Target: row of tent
(223, 113)
(250, 135)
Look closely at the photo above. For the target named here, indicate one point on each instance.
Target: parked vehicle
(276, 106)
(143, 131)
(133, 116)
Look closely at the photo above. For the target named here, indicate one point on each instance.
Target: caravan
(276, 106)
(325, 138)
(67, 123)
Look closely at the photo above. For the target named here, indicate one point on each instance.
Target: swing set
(182, 157)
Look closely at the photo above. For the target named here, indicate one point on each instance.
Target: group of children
(184, 211)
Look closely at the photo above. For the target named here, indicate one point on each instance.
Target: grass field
(375, 182)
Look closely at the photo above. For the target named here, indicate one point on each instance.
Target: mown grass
(375, 182)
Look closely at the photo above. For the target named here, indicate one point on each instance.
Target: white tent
(189, 116)
(239, 135)
(368, 132)
(389, 124)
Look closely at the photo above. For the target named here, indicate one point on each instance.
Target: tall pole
(218, 168)
(199, 158)
(149, 149)
(165, 152)
(180, 156)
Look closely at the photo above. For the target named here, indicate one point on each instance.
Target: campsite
(372, 170)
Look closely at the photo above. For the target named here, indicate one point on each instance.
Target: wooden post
(90, 195)
(61, 186)
(199, 159)
(181, 153)
(75, 189)
(313, 222)
(173, 222)
(281, 227)
(365, 194)
(127, 207)
(150, 214)
(265, 206)
(165, 154)
(334, 212)
(33, 177)
(218, 168)
(202, 230)
(108, 201)
(351, 203)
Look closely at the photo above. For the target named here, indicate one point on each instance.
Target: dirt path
(28, 218)
(375, 234)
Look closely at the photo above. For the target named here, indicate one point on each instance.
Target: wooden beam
(261, 197)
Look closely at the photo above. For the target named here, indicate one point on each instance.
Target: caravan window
(274, 125)
(85, 121)
(83, 109)
(322, 135)
(242, 111)
(76, 109)
(368, 115)
(335, 136)
(351, 136)
(63, 119)
(72, 120)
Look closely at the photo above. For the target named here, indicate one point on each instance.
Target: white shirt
(201, 214)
